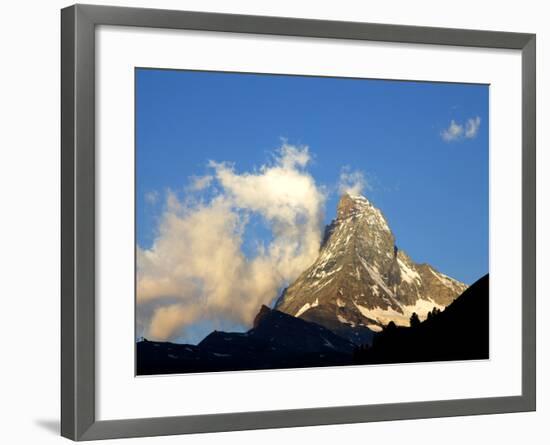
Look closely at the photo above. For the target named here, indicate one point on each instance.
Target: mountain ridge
(277, 340)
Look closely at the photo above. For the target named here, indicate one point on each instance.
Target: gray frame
(78, 421)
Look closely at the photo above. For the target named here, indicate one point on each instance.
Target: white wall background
(29, 220)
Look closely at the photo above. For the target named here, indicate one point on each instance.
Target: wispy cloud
(457, 131)
(472, 127)
(151, 197)
(352, 181)
(196, 268)
(200, 182)
(453, 132)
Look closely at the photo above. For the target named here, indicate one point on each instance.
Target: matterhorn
(361, 281)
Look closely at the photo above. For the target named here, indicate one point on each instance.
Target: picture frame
(78, 213)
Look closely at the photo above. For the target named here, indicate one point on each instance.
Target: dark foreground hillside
(279, 340)
(276, 341)
(460, 332)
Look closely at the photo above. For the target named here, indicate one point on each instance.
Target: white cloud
(200, 182)
(456, 131)
(472, 127)
(167, 320)
(352, 182)
(453, 132)
(196, 269)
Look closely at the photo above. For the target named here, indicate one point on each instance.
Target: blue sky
(434, 192)
(422, 147)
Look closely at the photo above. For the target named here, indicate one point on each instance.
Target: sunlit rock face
(361, 281)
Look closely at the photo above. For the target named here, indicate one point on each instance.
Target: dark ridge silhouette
(278, 340)
(460, 332)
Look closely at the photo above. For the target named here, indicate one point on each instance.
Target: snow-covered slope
(361, 281)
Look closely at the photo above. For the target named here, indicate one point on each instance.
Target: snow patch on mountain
(409, 275)
(375, 327)
(307, 307)
(344, 320)
(384, 315)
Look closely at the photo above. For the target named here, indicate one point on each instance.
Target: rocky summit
(361, 281)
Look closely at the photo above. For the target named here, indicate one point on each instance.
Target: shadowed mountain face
(361, 281)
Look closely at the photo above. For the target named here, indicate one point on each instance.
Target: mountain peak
(357, 206)
(361, 280)
(349, 204)
(263, 313)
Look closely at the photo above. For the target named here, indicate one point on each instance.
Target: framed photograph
(272, 222)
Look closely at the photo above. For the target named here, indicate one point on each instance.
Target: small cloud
(352, 182)
(472, 127)
(457, 131)
(200, 182)
(151, 197)
(453, 132)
